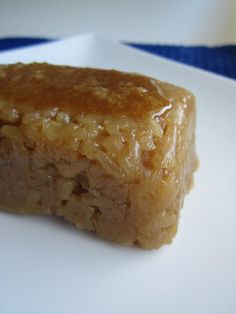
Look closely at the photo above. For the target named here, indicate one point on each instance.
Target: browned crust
(79, 90)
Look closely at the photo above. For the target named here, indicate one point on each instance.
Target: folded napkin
(220, 59)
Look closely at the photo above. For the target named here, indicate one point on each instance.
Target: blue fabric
(11, 43)
(220, 60)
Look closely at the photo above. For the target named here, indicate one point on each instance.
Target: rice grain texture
(111, 152)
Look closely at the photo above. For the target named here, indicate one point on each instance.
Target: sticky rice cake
(111, 152)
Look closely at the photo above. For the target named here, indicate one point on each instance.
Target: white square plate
(48, 267)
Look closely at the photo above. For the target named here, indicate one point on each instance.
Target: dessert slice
(109, 151)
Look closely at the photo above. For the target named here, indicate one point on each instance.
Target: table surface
(210, 22)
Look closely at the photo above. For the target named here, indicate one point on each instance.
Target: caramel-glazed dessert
(109, 151)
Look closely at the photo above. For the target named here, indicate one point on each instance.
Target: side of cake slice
(109, 151)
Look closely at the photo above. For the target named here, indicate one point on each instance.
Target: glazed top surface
(82, 90)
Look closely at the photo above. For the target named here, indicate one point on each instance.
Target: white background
(160, 21)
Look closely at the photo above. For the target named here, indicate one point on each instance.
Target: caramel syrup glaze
(80, 90)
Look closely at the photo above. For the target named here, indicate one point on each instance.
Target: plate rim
(93, 36)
